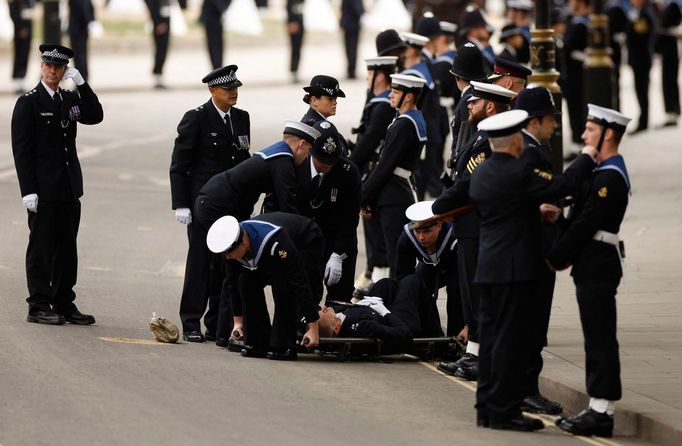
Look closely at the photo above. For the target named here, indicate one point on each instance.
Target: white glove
(380, 308)
(183, 215)
(31, 202)
(72, 73)
(332, 272)
(369, 301)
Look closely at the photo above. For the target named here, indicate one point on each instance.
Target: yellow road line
(547, 420)
(133, 341)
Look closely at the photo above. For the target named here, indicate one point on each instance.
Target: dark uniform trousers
(640, 42)
(670, 60)
(160, 14)
(575, 42)
(295, 15)
(44, 146)
(351, 12)
(81, 13)
(431, 281)
(211, 17)
(20, 11)
(467, 257)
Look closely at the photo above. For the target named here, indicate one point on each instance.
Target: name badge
(46, 114)
(243, 142)
(214, 134)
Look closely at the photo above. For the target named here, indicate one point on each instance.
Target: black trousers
(161, 35)
(597, 305)
(467, 257)
(641, 75)
(211, 17)
(539, 310)
(342, 291)
(503, 333)
(433, 279)
(52, 256)
(296, 41)
(392, 219)
(351, 36)
(23, 32)
(79, 44)
(577, 108)
(670, 69)
(374, 243)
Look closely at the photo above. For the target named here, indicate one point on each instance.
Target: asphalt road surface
(66, 385)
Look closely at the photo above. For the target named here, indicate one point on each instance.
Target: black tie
(316, 184)
(228, 125)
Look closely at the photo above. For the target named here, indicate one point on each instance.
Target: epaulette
(199, 108)
(345, 165)
(29, 93)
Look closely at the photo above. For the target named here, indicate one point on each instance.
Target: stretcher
(346, 349)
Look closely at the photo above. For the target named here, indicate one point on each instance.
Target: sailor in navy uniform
(236, 191)
(442, 63)
(428, 248)
(486, 100)
(212, 138)
(21, 13)
(430, 165)
(376, 117)
(592, 246)
(278, 249)
(321, 95)
(160, 12)
(328, 192)
(44, 125)
(509, 74)
(387, 191)
(506, 191)
(541, 124)
(469, 65)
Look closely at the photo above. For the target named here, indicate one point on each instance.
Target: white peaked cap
(414, 39)
(503, 124)
(223, 234)
(419, 211)
(603, 115)
(407, 81)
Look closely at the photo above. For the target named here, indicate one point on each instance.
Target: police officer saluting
(321, 95)
(279, 249)
(212, 138)
(44, 125)
(592, 246)
(388, 189)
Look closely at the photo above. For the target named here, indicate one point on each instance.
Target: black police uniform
(640, 41)
(21, 13)
(434, 271)
(506, 192)
(597, 270)
(160, 12)
(387, 193)
(467, 225)
(44, 149)
(211, 17)
(295, 15)
(205, 146)
(376, 117)
(351, 12)
(287, 250)
(575, 42)
(461, 130)
(81, 13)
(670, 59)
(312, 117)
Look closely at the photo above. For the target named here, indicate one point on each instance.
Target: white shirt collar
(220, 112)
(534, 138)
(341, 317)
(50, 91)
(509, 48)
(313, 171)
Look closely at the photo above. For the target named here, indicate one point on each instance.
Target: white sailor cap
(448, 27)
(301, 130)
(406, 82)
(420, 212)
(224, 235)
(503, 124)
(413, 39)
(491, 92)
(523, 5)
(381, 62)
(607, 117)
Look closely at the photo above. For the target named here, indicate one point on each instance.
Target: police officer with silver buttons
(212, 138)
(44, 125)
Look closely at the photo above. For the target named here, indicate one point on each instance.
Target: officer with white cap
(486, 100)
(388, 191)
(506, 193)
(430, 166)
(44, 127)
(376, 117)
(278, 249)
(235, 192)
(431, 245)
(591, 244)
(212, 138)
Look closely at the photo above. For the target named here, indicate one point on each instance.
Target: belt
(606, 237)
(402, 173)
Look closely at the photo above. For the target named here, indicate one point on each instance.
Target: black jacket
(363, 322)
(351, 12)
(641, 36)
(376, 117)
(205, 147)
(506, 192)
(44, 141)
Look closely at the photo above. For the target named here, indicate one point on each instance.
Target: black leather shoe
(193, 336)
(482, 419)
(540, 404)
(78, 318)
(288, 354)
(48, 317)
(221, 342)
(469, 373)
(249, 351)
(210, 336)
(234, 345)
(449, 367)
(637, 130)
(587, 422)
(519, 423)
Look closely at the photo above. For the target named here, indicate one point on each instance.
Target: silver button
(67, 163)
(65, 149)
(64, 134)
